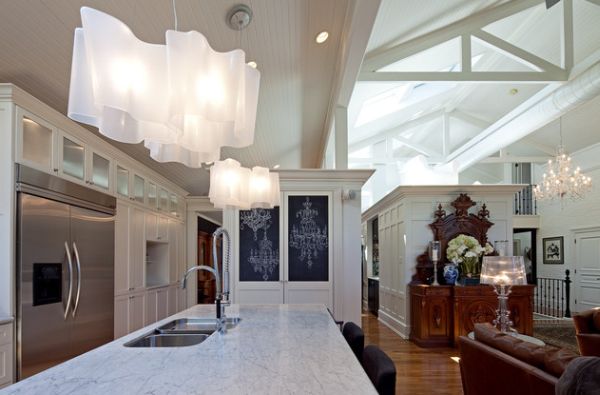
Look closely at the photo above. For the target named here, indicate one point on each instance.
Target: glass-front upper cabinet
(99, 171)
(164, 200)
(36, 142)
(122, 181)
(72, 157)
(152, 193)
(138, 188)
(174, 205)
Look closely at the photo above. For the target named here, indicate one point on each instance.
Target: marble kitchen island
(275, 349)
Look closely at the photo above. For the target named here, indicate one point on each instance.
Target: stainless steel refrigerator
(65, 270)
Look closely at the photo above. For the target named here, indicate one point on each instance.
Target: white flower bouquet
(465, 252)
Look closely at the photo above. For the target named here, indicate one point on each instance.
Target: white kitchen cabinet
(136, 311)
(99, 169)
(130, 247)
(163, 200)
(122, 234)
(174, 205)
(138, 188)
(129, 313)
(157, 227)
(6, 354)
(173, 251)
(152, 195)
(122, 181)
(72, 158)
(150, 307)
(36, 142)
(172, 300)
(137, 249)
(162, 297)
(121, 316)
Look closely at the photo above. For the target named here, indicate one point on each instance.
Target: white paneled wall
(404, 218)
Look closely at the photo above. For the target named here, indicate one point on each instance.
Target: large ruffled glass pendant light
(563, 180)
(183, 99)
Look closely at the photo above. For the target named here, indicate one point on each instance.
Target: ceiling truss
(470, 29)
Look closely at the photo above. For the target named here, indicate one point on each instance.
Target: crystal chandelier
(563, 179)
(183, 100)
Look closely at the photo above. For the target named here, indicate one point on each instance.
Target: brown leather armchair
(587, 329)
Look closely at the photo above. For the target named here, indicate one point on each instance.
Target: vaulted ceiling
(298, 76)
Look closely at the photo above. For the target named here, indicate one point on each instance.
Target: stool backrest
(380, 369)
(355, 338)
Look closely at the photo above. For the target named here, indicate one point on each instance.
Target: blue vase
(450, 273)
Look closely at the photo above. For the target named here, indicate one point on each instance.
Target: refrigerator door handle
(78, 261)
(70, 267)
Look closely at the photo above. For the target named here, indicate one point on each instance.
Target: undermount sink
(196, 325)
(181, 332)
(156, 339)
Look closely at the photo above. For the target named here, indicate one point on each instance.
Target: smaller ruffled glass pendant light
(233, 186)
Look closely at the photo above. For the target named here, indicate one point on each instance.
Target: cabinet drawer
(6, 334)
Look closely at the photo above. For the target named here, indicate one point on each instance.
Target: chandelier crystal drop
(183, 100)
(563, 180)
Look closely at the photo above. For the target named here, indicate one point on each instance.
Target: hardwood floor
(419, 370)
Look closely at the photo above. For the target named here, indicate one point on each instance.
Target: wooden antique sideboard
(440, 314)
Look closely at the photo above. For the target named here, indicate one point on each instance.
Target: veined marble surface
(277, 349)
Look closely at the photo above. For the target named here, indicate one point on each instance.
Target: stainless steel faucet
(222, 297)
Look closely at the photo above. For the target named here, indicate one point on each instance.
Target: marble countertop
(276, 349)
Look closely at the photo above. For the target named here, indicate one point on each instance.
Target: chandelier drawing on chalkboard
(255, 219)
(265, 259)
(308, 238)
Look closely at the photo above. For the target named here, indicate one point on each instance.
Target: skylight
(405, 95)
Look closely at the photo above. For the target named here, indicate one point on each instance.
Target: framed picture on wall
(553, 250)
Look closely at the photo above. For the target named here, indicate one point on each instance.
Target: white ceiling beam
(567, 44)
(387, 133)
(446, 135)
(516, 159)
(470, 119)
(415, 146)
(512, 77)
(466, 53)
(358, 25)
(481, 19)
(520, 55)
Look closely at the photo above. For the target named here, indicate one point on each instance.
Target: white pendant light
(183, 99)
(233, 186)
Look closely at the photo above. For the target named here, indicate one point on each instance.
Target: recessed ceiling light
(276, 166)
(513, 91)
(322, 37)
(252, 64)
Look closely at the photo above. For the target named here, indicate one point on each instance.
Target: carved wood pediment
(448, 226)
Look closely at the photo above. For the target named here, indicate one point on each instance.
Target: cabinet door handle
(131, 297)
(55, 170)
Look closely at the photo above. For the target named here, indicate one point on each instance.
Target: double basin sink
(181, 332)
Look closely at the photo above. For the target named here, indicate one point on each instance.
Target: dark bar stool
(380, 369)
(355, 338)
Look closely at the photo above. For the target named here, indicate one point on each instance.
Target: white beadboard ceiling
(298, 76)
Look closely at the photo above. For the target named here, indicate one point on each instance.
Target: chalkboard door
(260, 271)
(308, 253)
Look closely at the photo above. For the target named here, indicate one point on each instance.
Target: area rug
(559, 333)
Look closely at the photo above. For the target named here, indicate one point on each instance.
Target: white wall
(562, 221)
(404, 233)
